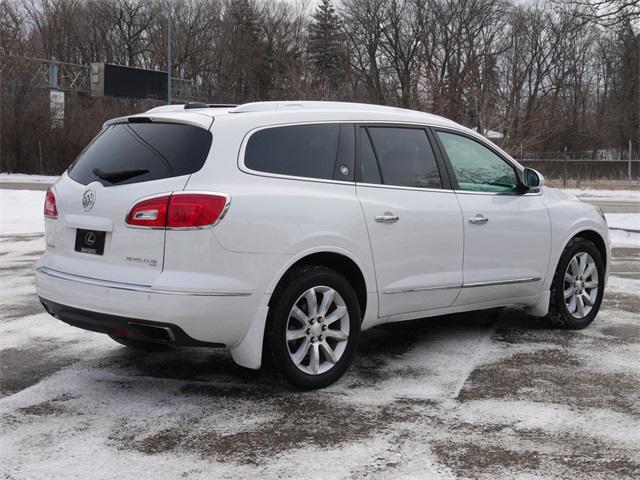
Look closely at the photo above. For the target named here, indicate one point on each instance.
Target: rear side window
(139, 152)
(323, 151)
(405, 157)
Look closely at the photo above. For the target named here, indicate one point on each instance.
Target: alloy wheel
(317, 330)
(580, 285)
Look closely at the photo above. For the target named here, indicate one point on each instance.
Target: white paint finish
(513, 244)
(569, 217)
(122, 244)
(418, 258)
(222, 319)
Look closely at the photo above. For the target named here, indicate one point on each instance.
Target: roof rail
(190, 105)
(317, 105)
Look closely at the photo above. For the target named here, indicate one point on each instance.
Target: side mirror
(532, 178)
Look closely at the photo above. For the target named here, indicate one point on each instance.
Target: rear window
(315, 151)
(140, 152)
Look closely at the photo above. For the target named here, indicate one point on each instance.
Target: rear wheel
(313, 328)
(578, 286)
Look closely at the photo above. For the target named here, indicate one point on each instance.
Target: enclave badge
(88, 199)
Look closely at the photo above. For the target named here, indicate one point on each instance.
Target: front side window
(405, 157)
(477, 168)
(315, 151)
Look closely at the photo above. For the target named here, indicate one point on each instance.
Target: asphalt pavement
(480, 395)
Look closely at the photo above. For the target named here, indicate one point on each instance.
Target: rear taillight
(50, 209)
(195, 210)
(149, 213)
(179, 210)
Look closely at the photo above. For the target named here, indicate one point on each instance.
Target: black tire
(276, 350)
(559, 315)
(140, 345)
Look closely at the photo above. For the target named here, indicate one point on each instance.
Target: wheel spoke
(573, 265)
(568, 292)
(328, 352)
(337, 314)
(582, 259)
(296, 334)
(299, 315)
(580, 305)
(314, 358)
(327, 298)
(337, 334)
(572, 304)
(312, 302)
(589, 270)
(568, 277)
(299, 355)
(592, 284)
(586, 299)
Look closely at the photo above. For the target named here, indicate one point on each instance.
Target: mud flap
(248, 352)
(541, 307)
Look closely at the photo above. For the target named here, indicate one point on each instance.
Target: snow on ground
(624, 221)
(26, 178)
(466, 396)
(594, 192)
(21, 211)
(622, 238)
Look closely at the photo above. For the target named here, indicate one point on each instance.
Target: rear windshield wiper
(118, 175)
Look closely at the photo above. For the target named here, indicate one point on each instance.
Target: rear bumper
(145, 330)
(198, 318)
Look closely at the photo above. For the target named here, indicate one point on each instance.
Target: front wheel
(578, 286)
(313, 327)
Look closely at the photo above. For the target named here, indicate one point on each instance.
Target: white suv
(281, 230)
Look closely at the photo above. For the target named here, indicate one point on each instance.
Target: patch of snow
(626, 221)
(21, 211)
(609, 426)
(27, 178)
(629, 286)
(622, 238)
(593, 192)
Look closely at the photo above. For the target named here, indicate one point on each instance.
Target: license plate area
(90, 241)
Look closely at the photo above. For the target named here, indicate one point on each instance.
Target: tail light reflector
(50, 209)
(179, 210)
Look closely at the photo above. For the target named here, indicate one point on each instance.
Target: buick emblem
(88, 199)
(90, 238)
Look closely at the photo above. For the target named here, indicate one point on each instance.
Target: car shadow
(213, 372)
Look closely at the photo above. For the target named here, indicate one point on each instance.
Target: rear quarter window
(138, 152)
(324, 151)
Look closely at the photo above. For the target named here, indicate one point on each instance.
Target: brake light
(50, 209)
(195, 210)
(181, 210)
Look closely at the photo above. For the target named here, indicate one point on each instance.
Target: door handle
(478, 219)
(388, 217)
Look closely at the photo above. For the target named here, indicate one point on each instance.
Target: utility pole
(629, 167)
(169, 60)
